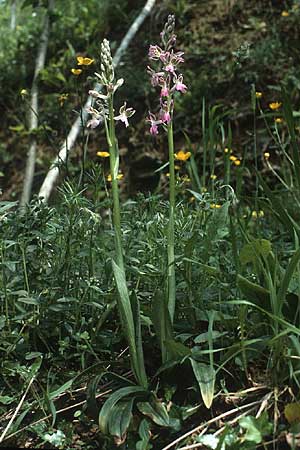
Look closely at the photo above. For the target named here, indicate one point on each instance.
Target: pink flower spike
(165, 116)
(170, 68)
(154, 52)
(179, 85)
(164, 91)
(154, 129)
(154, 123)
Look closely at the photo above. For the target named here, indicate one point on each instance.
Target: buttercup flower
(119, 177)
(103, 154)
(62, 98)
(266, 156)
(182, 155)
(256, 214)
(215, 205)
(81, 61)
(23, 92)
(258, 94)
(274, 105)
(285, 13)
(278, 120)
(124, 114)
(76, 71)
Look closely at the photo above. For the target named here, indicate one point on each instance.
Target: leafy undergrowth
(235, 340)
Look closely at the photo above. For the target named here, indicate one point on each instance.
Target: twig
(57, 412)
(53, 172)
(34, 108)
(17, 410)
(209, 422)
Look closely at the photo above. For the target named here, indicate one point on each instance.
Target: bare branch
(34, 107)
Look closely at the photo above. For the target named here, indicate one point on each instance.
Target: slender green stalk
(114, 167)
(171, 237)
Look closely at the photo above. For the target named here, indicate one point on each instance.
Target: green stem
(114, 167)
(171, 239)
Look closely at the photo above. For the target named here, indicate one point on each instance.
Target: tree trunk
(34, 108)
(13, 15)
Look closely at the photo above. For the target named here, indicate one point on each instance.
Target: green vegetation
(154, 302)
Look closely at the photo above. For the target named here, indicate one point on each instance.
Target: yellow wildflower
(256, 214)
(62, 98)
(81, 61)
(76, 71)
(274, 105)
(182, 155)
(227, 150)
(285, 13)
(23, 92)
(233, 158)
(176, 167)
(258, 94)
(215, 205)
(103, 154)
(237, 162)
(185, 179)
(266, 156)
(278, 120)
(213, 176)
(119, 177)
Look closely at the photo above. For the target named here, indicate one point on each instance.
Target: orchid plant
(103, 111)
(169, 80)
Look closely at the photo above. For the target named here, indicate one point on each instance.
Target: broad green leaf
(284, 285)
(292, 412)
(119, 420)
(177, 350)
(145, 435)
(135, 305)
(252, 433)
(60, 390)
(206, 377)
(126, 317)
(253, 291)
(28, 300)
(256, 428)
(161, 321)
(113, 399)
(6, 400)
(253, 250)
(156, 411)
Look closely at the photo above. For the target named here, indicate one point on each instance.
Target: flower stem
(114, 166)
(171, 253)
